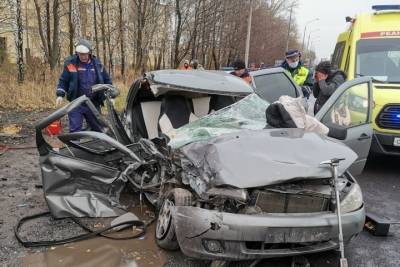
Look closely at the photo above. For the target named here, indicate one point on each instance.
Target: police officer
(297, 70)
(81, 72)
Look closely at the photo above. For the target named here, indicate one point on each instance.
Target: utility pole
(308, 41)
(246, 56)
(304, 32)
(288, 32)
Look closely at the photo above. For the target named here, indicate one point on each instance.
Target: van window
(379, 58)
(338, 54)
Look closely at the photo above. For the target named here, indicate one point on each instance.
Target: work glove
(59, 101)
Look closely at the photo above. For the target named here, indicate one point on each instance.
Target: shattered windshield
(248, 113)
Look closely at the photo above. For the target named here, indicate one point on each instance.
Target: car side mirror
(337, 131)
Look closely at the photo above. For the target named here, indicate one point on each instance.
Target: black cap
(239, 65)
(324, 67)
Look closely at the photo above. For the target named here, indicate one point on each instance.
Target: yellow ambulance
(371, 47)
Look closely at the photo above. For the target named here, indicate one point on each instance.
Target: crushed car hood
(209, 82)
(259, 158)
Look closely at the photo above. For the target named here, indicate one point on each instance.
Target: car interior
(155, 116)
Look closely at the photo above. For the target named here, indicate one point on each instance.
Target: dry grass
(37, 92)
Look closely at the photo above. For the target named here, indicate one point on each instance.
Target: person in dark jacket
(327, 80)
(81, 72)
(240, 71)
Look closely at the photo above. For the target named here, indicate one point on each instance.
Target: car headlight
(353, 200)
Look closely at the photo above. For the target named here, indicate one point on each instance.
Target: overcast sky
(331, 21)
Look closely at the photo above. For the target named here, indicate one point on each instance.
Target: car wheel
(165, 230)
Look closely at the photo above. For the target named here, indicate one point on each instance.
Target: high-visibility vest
(300, 75)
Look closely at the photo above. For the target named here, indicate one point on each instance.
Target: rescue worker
(240, 71)
(185, 66)
(81, 72)
(298, 71)
(327, 80)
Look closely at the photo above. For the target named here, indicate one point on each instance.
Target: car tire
(165, 231)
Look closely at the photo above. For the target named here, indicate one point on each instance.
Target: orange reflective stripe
(71, 68)
(247, 79)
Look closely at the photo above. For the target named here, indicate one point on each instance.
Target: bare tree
(101, 6)
(154, 34)
(96, 36)
(121, 27)
(15, 6)
(50, 37)
(74, 24)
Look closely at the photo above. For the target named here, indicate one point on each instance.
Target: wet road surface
(380, 183)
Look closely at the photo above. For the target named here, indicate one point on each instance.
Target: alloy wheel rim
(164, 219)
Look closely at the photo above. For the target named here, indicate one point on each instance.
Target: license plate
(396, 141)
(297, 234)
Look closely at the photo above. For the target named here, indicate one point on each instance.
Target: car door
(349, 110)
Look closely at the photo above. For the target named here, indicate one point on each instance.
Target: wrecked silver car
(226, 186)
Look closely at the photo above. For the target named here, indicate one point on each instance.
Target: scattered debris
(10, 130)
(98, 225)
(377, 225)
(150, 214)
(123, 218)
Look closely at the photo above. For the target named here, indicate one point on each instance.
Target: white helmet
(83, 46)
(82, 49)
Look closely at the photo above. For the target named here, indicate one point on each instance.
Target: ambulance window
(379, 58)
(338, 54)
(346, 67)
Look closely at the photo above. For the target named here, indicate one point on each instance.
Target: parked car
(272, 83)
(225, 186)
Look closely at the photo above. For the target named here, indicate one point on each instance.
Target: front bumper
(382, 143)
(243, 236)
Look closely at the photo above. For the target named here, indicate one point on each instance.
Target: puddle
(103, 252)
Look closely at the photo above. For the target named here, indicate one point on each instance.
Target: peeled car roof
(210, 82)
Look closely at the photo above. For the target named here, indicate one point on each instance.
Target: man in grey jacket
(327, 80)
